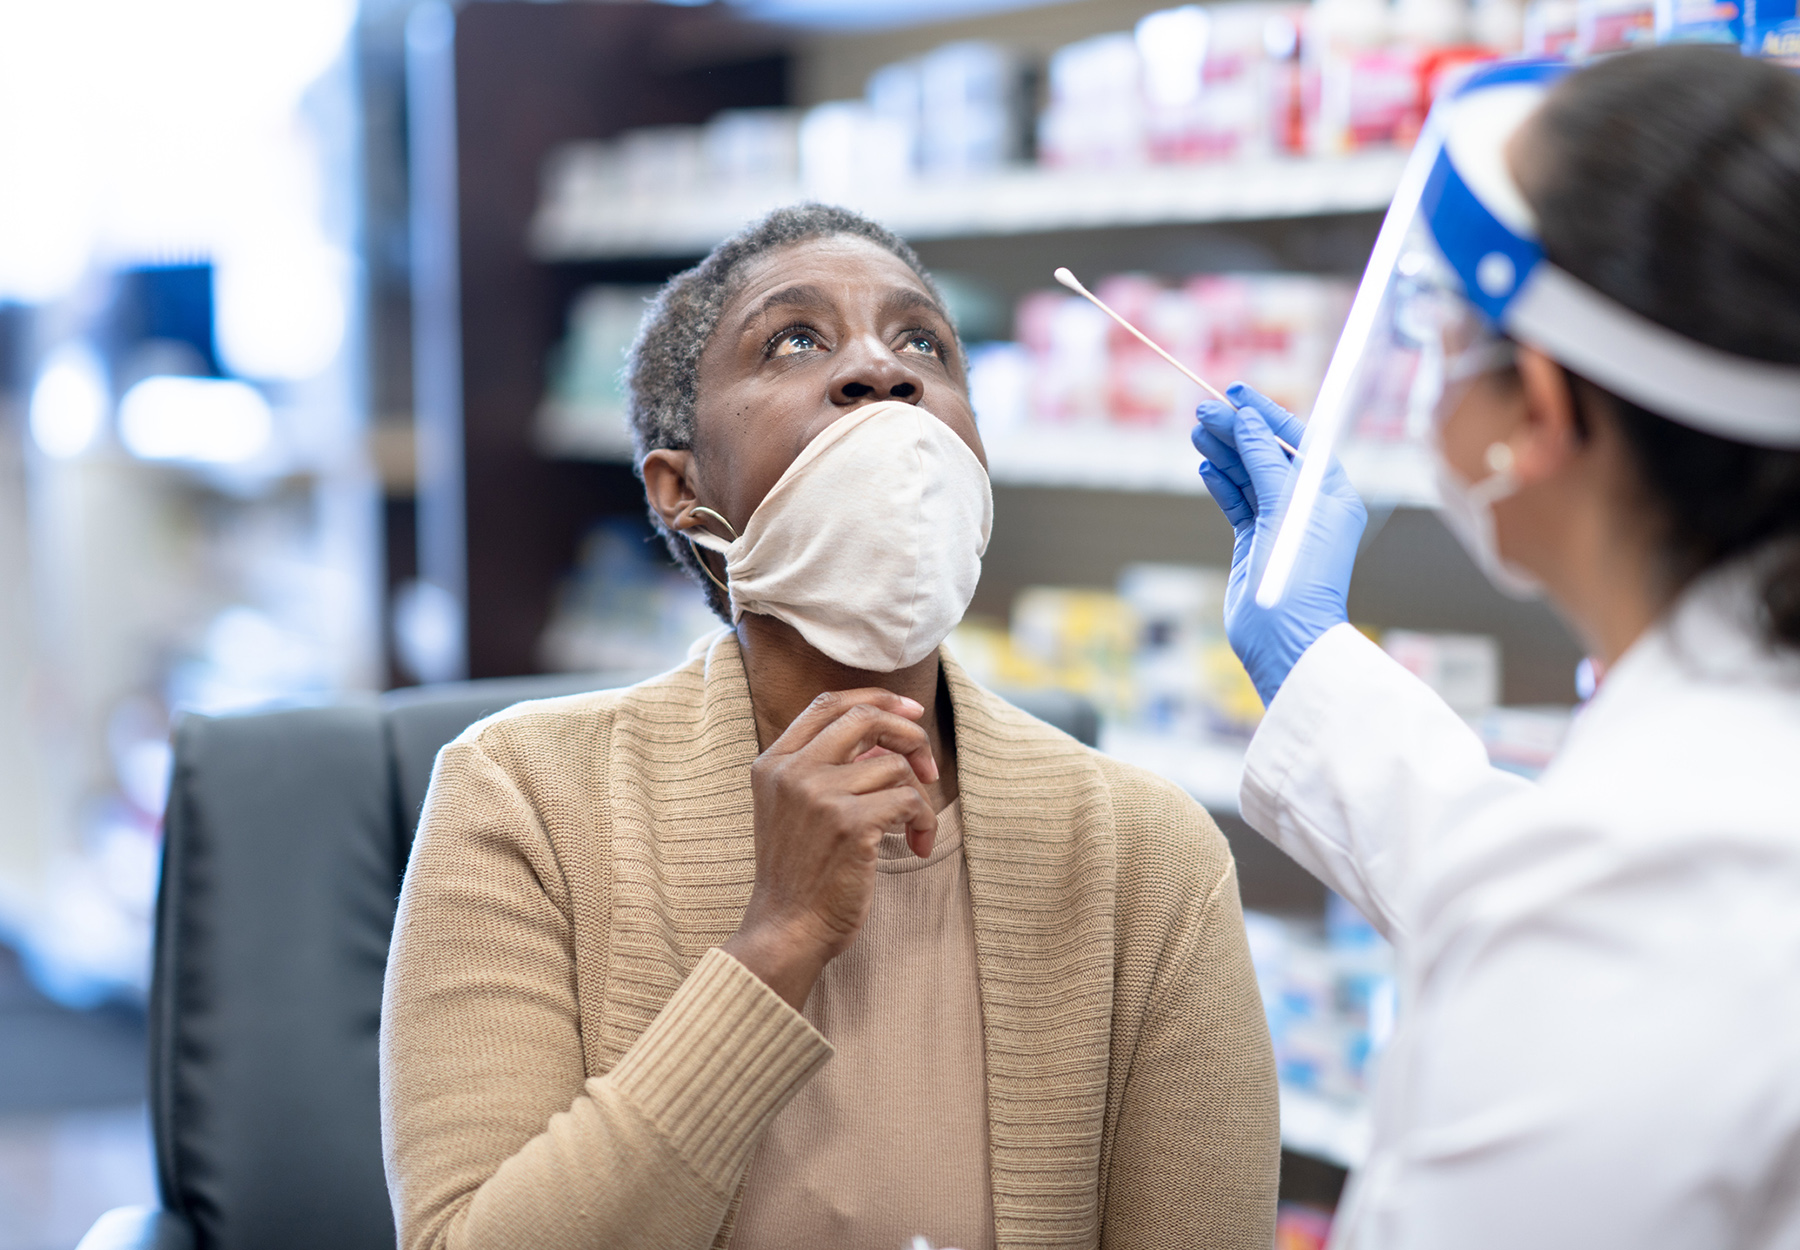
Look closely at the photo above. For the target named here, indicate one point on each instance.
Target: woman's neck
(787, 673)
(1595, 546)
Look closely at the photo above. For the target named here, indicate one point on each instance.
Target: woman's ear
(1551, 435)
(668, 485)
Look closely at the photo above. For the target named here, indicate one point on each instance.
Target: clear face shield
(1423, 330)
(1432, 344)
(1456, 276)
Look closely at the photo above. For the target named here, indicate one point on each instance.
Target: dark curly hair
(662, 370)
(1669, 180)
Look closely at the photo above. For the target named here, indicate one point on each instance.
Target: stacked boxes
(1273, 331)
(1151, 655)
(1237, 81)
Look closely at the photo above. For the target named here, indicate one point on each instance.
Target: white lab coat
(1599, 1042)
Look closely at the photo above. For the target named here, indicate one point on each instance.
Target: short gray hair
(662, 370)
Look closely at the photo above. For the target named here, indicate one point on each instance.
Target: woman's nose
(871, 373)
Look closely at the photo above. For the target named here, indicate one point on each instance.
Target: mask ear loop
(699, 556)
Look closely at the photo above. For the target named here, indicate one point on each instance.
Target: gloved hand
(1244, 466)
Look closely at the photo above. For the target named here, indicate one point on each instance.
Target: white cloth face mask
(870, 544)
(1468, 513)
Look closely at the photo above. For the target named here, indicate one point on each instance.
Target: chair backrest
(286, 837)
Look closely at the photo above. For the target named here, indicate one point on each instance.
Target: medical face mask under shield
(1441, 348)
(870, 543)
(1415, 342)
(1457, 271)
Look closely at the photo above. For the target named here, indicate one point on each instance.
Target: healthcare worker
(1587, 295)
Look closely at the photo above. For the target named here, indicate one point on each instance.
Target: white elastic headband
(1734, 397)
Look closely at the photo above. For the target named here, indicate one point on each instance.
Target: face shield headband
(1457, 271)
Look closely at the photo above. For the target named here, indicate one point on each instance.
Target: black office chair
(286, 836)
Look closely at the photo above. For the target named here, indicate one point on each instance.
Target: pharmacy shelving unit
(1014, 202)
(502, 506)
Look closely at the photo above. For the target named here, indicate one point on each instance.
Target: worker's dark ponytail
(1670, 180)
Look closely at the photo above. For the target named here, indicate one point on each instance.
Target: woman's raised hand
(1248, 473)
(850, 768)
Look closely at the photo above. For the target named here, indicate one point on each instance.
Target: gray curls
(662, 370)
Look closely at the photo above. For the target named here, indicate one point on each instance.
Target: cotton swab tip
(1062, 274)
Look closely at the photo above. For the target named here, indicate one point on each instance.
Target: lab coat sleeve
(1356, 765)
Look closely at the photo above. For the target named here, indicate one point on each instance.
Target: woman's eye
(922, 344)
(794, 341)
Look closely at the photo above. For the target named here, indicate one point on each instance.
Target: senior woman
(813, 942)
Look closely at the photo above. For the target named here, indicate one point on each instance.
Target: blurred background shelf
(1324, 1129)
(586, 228)
(567, 431)
(1161, 460)
(1076, 457)
(1211, 770)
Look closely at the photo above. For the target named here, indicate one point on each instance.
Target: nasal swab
(1069, 280)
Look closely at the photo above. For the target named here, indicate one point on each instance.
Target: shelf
(1211, 771)
(1102, 457)
(565, 431)
(1323, 1129)
(1081, 457)
(1024, 201)
(1094, 457)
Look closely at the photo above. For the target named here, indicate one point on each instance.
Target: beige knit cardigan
(568, 1062)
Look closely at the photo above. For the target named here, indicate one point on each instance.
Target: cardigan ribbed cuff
(722, 1058)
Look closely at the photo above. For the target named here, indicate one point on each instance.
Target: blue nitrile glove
(1244, 464)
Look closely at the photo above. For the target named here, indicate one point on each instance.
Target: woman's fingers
(901, 807)
(830, 707)
(1288, 426)
(882, 774)
(851, 768)
(875, 772)
(1264, 460)
(1213, 437)
(920, 841)
(1284, 423)
(864, 725)
(1231, 501)
(1221, 454)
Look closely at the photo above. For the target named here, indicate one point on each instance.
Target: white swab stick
(1069, 280)
(1074, 284)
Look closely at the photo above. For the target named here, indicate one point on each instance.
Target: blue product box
(1701, 21)
(1772, 31)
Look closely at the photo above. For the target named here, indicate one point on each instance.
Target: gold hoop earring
(699, 555)
(708, 512)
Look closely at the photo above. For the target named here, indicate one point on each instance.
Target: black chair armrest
(138, 1228)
